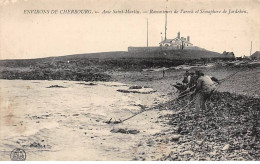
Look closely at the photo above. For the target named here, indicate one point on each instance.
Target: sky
(25, 36)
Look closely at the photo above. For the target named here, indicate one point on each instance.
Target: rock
(90, 84)
(172, 157)
(213, 153)
(179, 130)
(204, 159)
(140, 144)
(226, 147)
(187, 152)
(135, 159)
(36, 145)
(122, 90)
(136, 91)
(135, 87)
(175, 138)
(175, 128)
(199, 142)
(125, 131)
(56, 86)
(240, 159)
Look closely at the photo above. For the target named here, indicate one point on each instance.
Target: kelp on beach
(228, 130)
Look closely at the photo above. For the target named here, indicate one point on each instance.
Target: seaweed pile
(228, 130)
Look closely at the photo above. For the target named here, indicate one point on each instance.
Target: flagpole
(165, 37)
(251, 49)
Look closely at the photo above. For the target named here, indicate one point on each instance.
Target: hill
(178, 54)
(186, 54)
(93, 66)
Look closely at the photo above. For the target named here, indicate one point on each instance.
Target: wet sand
(68, 123)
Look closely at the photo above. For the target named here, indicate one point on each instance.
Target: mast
(251, 49)
(165, 33)
(147, 32)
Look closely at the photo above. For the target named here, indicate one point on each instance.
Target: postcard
(129, 80)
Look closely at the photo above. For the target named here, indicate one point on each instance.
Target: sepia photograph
(129, 80)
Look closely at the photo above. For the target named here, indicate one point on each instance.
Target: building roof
(166, 41)
(170, 40)
(182, 40)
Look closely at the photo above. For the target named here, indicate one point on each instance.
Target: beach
(69, 120)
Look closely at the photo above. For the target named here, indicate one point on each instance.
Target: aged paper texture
(129, 80)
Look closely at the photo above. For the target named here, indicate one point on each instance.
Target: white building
(178, 42)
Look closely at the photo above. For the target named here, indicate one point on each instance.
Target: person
(192, 79)
(186, 74)
(185, 79)
(204, 88)
(163, 72)
(180, 87)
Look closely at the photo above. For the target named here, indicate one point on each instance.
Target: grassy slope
(185, 54)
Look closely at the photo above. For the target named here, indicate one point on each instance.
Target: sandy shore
(68, 122)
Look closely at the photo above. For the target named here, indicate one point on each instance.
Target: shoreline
(158, 135)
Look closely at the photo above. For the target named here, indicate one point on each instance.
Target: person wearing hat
(204, 88)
